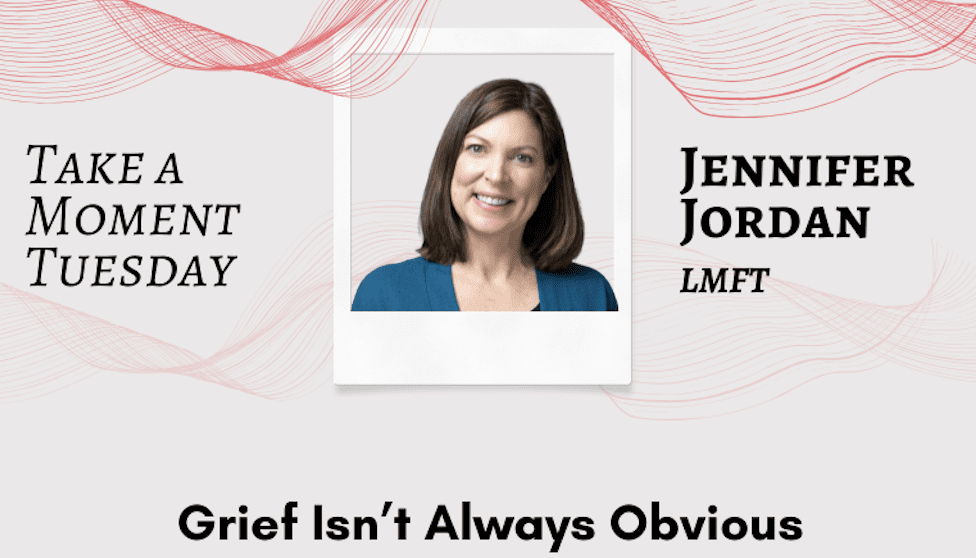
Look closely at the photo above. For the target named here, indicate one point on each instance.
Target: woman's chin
(486, 227)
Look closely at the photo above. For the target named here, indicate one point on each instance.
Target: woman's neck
(496, 258)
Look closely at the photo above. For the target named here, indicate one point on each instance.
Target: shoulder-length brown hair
(554, 234)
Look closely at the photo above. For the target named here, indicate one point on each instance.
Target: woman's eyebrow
(517, 148)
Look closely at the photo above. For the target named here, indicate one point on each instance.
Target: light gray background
(876, 464)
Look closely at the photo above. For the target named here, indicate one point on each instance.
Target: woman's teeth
(492, 201)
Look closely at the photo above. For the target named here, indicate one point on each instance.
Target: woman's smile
(493, 202)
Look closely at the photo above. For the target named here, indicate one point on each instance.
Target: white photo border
(523, 348)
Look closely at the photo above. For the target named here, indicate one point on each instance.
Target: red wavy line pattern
(281, 347)
(706, 355)
(743, 59)
(772, 57)
(57, 51)
(694, 356)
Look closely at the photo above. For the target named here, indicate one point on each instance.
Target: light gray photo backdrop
(394, 137)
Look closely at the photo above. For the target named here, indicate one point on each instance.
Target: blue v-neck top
(421, 285)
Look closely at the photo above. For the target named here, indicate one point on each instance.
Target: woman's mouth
(494, 202)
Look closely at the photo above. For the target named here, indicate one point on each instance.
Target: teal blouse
(421, 285)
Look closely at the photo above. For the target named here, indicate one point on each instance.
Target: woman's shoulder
(582, 272)
(399, 286)
(579, 275)
(579, 287)
(397, 271)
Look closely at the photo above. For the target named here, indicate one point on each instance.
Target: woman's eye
(524, 159)
(475, 148)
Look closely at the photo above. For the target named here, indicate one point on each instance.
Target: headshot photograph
(500, 217)
(483, 200)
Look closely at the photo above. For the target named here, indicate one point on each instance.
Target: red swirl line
(57, 51)
(693, 356)
(765, 58)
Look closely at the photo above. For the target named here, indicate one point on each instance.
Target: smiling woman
(500, 216)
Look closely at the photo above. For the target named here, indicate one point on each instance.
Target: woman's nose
(496, 169)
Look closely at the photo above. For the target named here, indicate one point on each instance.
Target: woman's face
(500, 175)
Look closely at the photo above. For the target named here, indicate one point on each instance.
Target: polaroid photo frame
(383, 146)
